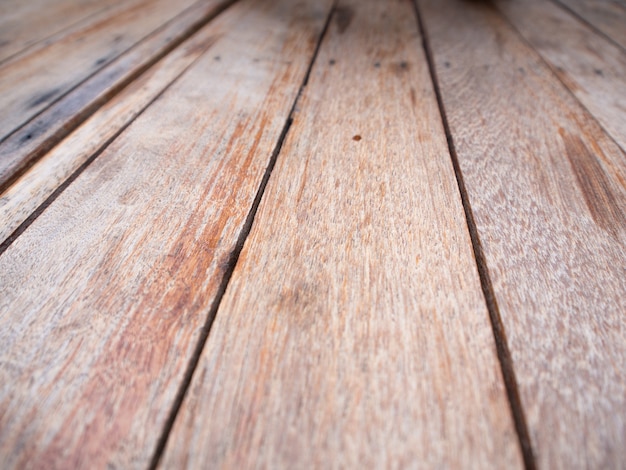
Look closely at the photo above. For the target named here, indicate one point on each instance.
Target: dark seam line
(92, 106)
(230, 266)
(57, 192)
(590, 25)
(553, 71)
(130, 48)
(502, 348)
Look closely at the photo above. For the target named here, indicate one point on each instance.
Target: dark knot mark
(606, 206)
(344, 17)
(356, 137)
(43, 98)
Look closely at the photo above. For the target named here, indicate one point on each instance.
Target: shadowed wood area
(312, 234)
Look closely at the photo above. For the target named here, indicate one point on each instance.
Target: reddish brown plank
(105, 295)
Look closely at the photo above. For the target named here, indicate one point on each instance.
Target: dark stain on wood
(399, 68)
(343, 17)
(606, 206)
(42, 98)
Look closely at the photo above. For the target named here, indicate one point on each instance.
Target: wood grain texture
(105, 295)
(30, 84)
(32, 140)
(547, 189)
(23, 24)
(593, 68)
(24, 196)
(608, 16)
(354, 333)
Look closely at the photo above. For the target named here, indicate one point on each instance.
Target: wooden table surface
(312, 234)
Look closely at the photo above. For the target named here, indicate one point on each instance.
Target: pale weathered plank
(36, 137)
(105, 295)
(24, 23)
(26, 194)
(608, 16)
(31, 83)
(354, 333)
(547, 191)
(593, 68)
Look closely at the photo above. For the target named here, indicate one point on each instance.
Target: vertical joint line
(502, 348)
(232, 262)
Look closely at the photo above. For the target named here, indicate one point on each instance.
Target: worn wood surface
(608, 16)
(547, 192)
(105, 295)
(36, 137)
(354, 333)
(32, 189)
(31, 83)
(592, 68)
(24, 23)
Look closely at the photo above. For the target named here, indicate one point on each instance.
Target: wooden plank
(593, 68)
(26, 23)
(32, 189)
(547, 191)
(30, 84)
(608, 16)
(105, 295)
(354, 333)
(36, 137)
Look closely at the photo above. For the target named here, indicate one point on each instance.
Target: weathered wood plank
(25, 23)
(36, 137)
(608, 16)
(354, 333)
(105, 295)
(31, 83)
(24, 196)
(547, 192)
(593, 68)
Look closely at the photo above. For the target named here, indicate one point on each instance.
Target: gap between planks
(606, 116)
(51, 174)
(502, 347)
(38, 210)
(276, 77)
(592, 25)
(234, 257)
(50, 125)
(181, 449)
